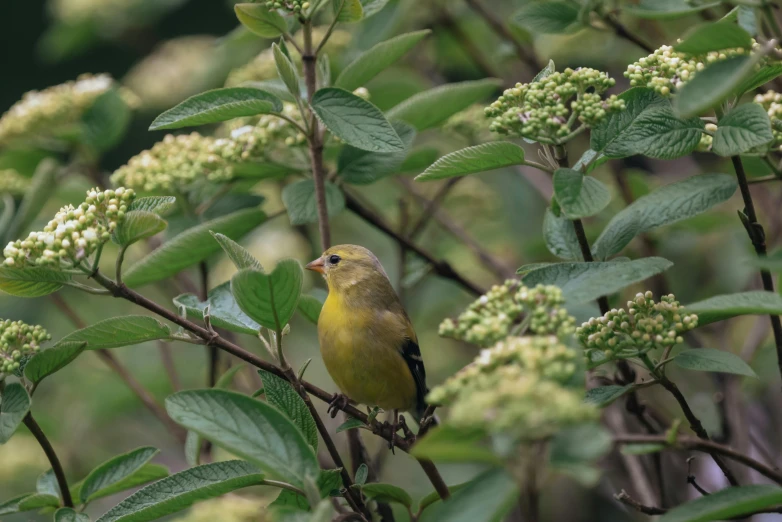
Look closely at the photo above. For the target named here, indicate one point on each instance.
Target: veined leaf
(138, 225)
(269, 299)
(218, 105)
(710, 360)
(14, 405)
(726, 503)
(285, 69)
(579, 195)
(114, 471)
(716, 82)
(548, 17)
(49, 361)
(560, 236)
(487, 498)
(387, 493)
(240, 257)
(70, 515)
(487, 156)
(260, 20)
(361, 167)
(715, 36)
(280, 394)
(745, 127)
(665, 9)
(721, 307)
(156, 204)
(301, 203)
(223, 310)
(125, 330)
(310, 307)
(604, 395)
(31, 281)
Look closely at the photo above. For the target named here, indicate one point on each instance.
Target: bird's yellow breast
(361, 350)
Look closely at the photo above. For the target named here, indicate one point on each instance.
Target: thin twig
(462, 39)
(758, 238)
(692, 480)
(622, 32)
(315, 137)
(626, 499)
(48, 449)
(442, 268)
(501, 29)
(128, 294)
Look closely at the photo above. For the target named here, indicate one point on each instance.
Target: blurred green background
(91, 415)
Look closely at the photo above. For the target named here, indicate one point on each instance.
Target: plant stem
(758, 238)
(622, 32)
(48, 449)
(442, 268)
(123, 292)
(315, 138)
(772, 20)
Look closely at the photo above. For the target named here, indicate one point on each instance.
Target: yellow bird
(366, 338)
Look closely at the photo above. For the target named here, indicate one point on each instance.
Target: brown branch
(123, 292)
(622, 32)
(315, 137)
(446, 221)
(442, 268)
(501, 29)
(135, 386)
(758, 238)
(705, 446)
(48, 449)
(626, 499)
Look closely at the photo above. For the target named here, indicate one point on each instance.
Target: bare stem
(48, 449)
(315, 137)
(758, 238)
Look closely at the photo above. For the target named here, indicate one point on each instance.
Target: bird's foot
(339, 402)
(394, 427)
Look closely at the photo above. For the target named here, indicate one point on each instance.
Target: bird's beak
(316, 265)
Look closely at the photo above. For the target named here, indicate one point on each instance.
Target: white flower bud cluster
(515, 402)
(545, 110)
(55, 111)
(262, 66)
(666, 70)
(267, 130)
(645, 325)
(706, 139)
(772, 102)
(11, 182)
(74, 233)
(174, 164)
(18, 341)
(293, 6)
(543, 355)
(493, 316)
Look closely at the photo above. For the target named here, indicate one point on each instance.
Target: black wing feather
(412, 356)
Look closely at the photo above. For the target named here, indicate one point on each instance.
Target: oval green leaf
(488, 156)
(487, 498)
(726, 503)
(387, 493)
(745, 127)
(114, 471)
(261, 21)
(709, 37)
(52, 360)
(280, 394)
(269, 299)
(711, 86)
(548, 17)
(119, 331)
(560, 236)
(604, 395)
(711, 360)
(578, 195)
(32, 281)
(14, 405)
(156, 204)
(248, 428)
(301, 203)
(138, 225)
(223, 310)
(721, 307)
(240, 257)
(70, 515)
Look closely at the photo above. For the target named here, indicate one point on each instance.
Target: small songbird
(366, 338)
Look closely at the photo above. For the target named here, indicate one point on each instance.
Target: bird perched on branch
(366, 338)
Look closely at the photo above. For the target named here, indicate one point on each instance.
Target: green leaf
(47, 484)
(223, 310)
(758, 78)
(310, 307)
(647, 126)
(431, 108)
(574, 452)
(705, 38)
(448, 444)
(240, 257)
(70, 515)
(286, 70)
(144, 475)
(361, 167)
(488, 156)
(378, 58)
(248, 428)
(280, 393)
(602, 396)
(664, 206)
(419, 159)
(32, 281)
(745, 127)
(301, 203)
(275, 86)
(52, 360)
(39, 501)
(434, 496)
(545, 72)
(721, 307)
(560, 236)
(715, 83)
(182, 490)
(350, 424)
(114, 332)
(11, 506)
(348, 10)
(217, 105)
(590, 159)
(387, 493)
(579, 196)
(269, 299)
(106, 121)
(548, 17)
(355, 121)
(582, 282)
(328, 481)
(191, 247)
(42, 186)
(14, 405)
(361, 474)
(726, 503)
(487, 498)
(372, 7)
(665, 9)
(137, 225)
(747, 19)
(710, 360)
(156, 204)
(114, 471)
(261, 21)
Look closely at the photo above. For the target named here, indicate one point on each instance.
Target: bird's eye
(334, 259)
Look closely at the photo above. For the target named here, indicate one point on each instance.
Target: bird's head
(346, 265)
